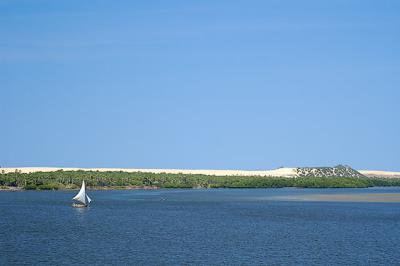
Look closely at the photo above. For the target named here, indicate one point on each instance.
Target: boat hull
(75, 205)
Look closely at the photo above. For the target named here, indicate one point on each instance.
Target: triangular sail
(81, 196)
(88, 199)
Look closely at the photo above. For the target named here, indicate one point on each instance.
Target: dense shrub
(73, 179)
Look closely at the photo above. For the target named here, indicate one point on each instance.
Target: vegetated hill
(337, 171)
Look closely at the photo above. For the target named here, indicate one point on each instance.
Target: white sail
(81, 196)
(88, 199)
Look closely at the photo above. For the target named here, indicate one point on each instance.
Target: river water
(199, 227)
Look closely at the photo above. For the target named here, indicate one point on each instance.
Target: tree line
(72, 180)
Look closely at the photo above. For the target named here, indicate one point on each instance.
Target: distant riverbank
(12, 189)
(350, 197)
(55, 180)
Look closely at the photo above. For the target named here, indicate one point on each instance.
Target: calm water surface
(198, 227)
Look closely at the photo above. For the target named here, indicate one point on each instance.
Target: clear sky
(200, 84)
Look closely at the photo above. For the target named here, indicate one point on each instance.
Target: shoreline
(108, 180)
(342, 196)
(97, 188)
(110, 188)
(351, 197)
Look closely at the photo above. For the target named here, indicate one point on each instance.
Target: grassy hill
(337, 171)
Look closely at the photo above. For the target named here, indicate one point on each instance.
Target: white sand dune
(374, 173)
(282, 172)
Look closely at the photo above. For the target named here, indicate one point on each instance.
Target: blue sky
(200, 84)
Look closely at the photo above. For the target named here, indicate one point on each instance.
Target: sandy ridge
(282, 172)
(375, 173)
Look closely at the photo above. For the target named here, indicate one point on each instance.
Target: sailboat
(81, 199)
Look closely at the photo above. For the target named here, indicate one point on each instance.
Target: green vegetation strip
(118, 180)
